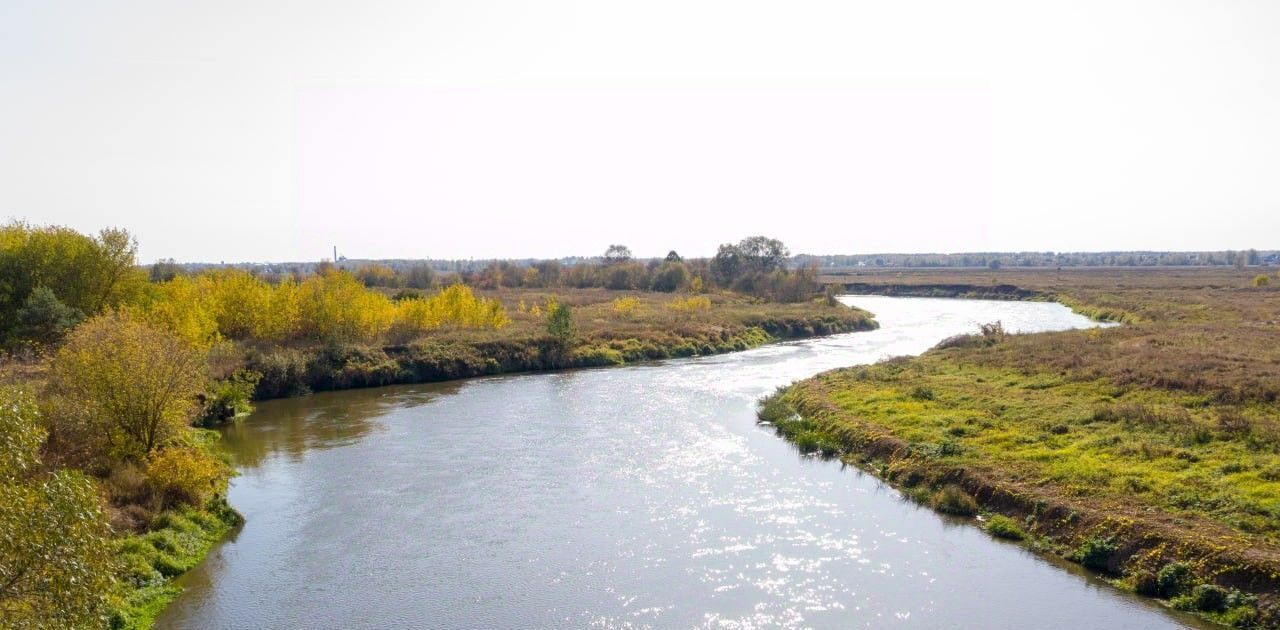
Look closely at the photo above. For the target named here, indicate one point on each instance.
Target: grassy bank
(1148, 452)
(612, 328)
(177, 541)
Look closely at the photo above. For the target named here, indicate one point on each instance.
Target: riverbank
(149, 562)
(612, 328)
(1148, 452)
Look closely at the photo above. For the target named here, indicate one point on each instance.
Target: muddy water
(634, 496)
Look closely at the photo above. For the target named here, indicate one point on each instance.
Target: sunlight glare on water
(642, 496)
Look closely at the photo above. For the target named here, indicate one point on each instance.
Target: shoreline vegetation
(111, 376)
(1148, 453)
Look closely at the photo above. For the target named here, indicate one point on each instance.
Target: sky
(274, 131)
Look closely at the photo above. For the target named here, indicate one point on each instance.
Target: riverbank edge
(1140, 549)
(805, 414)
(289, 372)
(360, 367)
(1007, 292)
(154, 560)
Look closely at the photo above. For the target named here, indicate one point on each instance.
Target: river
(639, 496)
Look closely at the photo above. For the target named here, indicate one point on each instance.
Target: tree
(377, 275)
(672, 256)
(671, 276)
(86, 273)
(120, 389)
(560, 324)
(617, 254)
(727, 264)
(165, 269)
(762, 254)
(55, 551)
(337, 307)
(420, 277)
(44, 318)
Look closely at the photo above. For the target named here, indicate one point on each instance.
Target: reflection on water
(643, 496)
(293, 426)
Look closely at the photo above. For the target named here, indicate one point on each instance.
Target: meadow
(1139, 451)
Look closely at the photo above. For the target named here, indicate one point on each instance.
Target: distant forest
(1241, 258)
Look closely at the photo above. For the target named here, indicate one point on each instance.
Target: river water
(641, 496)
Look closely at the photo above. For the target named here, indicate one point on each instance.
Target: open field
(1126, 449)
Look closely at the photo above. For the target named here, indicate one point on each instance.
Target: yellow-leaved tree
(455, 306)
(182, 307)
(55, 551)
(337, 307)
(119, 389)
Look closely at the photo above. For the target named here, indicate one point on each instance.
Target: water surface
(642, 496)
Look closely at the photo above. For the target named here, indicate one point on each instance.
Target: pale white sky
(250, 130)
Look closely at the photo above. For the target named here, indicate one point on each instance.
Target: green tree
(763, 254)
(617, 254)
(164, 270)
(44, 318)
(420, 277)
(55, 553)
(726, 265)
(560, 324)
(86, 273)
(671, 276)
(119, 389)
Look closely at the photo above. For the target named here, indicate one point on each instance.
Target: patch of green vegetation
(1096, 552)
(177, 540)
(1001, 526)
(952, 499)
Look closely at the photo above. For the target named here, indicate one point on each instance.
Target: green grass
(1150, 451)
(1001, 526)
(176, 542)
(1162, 448)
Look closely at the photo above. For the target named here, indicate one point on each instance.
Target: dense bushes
(333, 306)
(54, 552)
(79, 275)
(119, 390)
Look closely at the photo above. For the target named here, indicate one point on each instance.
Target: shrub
(283, 373)
(992, 332)
(455, 307)
(952, 499)
(1261, 280)
(691, 304)
(229, 397)
(921, 392)
(1095, 552)
(186, 475)
(121, 389)
(1241, 617)
(1146, 584)
(1209, 597)
(1002, 526)
(55, 554)
(44, 318)
(1204, 597)
(626, 307)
